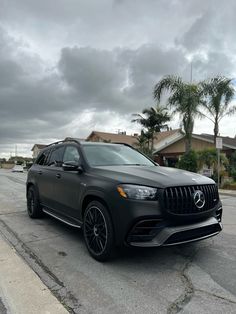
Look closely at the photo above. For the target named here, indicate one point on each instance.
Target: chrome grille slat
(179, 200)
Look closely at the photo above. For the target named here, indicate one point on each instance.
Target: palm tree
(184, 98)
(153, 120)
(143, 142)
(218, 93)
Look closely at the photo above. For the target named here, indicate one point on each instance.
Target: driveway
(193, 278)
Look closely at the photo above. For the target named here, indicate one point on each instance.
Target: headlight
(137, 192)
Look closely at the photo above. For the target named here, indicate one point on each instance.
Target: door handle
(40, 172)
(58, 175)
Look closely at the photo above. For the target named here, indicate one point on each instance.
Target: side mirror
(72, 166)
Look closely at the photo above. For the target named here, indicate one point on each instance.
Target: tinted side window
(41, 160)
(56, 156)
(71, 154)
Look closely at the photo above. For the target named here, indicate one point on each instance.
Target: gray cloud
(94, 75)
(79, 65)
(213, 29)
(147, 65)
(215, 63)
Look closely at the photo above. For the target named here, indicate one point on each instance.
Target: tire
(33, 206)
(98, 231)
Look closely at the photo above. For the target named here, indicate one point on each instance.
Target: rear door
(50, 177)
(40, 175)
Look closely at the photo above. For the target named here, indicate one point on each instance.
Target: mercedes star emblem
(199, 199)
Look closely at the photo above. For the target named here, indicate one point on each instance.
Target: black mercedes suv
(119, 196)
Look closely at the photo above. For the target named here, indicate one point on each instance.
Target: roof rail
(67, 139)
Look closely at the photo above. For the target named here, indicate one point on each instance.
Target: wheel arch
(100, 197)
(28, 185)
(93, 197)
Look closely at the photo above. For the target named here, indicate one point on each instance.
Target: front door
(67, 189)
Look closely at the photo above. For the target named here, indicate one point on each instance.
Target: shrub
(188, 162)
(233, 173)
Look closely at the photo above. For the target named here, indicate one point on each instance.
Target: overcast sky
(68, 67)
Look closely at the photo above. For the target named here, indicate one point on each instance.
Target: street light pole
(218, 177)
(219, 146)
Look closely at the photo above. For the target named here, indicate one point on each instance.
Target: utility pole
(191, 72)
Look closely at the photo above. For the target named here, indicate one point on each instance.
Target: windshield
(110, 155)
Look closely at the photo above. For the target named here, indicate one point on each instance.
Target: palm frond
(169, 83)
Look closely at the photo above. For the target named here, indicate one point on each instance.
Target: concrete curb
(22, 290)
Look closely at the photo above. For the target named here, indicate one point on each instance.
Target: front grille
(179, 200)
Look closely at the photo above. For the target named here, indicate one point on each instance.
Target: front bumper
(172, 235)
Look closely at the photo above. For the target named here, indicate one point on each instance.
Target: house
(96, 136)
(36, 149)
(171, 146)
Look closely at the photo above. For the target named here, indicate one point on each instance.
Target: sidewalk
(227, 192)
(21, 290)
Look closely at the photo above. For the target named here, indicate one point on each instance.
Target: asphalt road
(194, 278)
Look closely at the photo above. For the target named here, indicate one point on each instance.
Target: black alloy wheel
(98, 231)
(33, 206)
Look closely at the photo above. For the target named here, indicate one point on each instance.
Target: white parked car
(17, 168)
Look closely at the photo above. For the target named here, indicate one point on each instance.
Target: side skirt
(69, 221)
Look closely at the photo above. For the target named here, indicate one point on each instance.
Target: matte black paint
(64, 192)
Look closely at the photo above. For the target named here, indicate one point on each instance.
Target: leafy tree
(188, 161)
(218, 93)
(185, 99)
(153, 120)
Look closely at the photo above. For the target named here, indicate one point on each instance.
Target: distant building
(36, 149)
(121, 137)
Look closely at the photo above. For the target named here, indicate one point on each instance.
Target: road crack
(3, 309)
(216, 296)
(188, 293)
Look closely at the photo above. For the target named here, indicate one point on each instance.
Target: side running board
(70, 222)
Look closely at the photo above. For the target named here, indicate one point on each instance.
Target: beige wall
(179, 147)
(94, 138)
(7, 166)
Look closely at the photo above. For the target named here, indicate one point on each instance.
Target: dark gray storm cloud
(95, 76)
(66, 66)
(119, 80)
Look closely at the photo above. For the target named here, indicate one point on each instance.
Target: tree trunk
(216, 130)
(152, 142)
(188, 145)
(188, 128)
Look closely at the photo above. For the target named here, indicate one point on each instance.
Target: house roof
(166, 138)
(113, 137)
(39, 146)
(160, 136)
(228, 142)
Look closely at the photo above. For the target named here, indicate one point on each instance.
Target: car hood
(152, 175)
